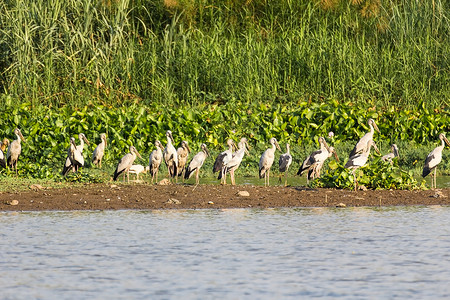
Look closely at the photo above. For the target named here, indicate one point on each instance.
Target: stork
(234, 163)
(434, 158)
(14, 150)
(394, 153)
(222, 159)
(196, 163)
(79, 155)
(284, 162)
(74, 158)
(171, 157)
(182, 153)
(363, 143)
(266, 160)
(99, 151)
(359, 160)
(125, 163)
(155, 160)
(314, 158)
(316, 167)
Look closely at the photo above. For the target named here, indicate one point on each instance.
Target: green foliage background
(191, 52)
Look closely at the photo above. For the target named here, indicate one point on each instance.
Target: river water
(352, 253)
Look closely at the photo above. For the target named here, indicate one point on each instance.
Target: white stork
(314, 158)
(155, 160)
(235, 161)
(125, 164)
(266, 160)
(434, 158)
(284, 162)
(3, 146)
(14, 150)
(363, 143)
(222, 159)
(79, 155)
(314, 170)
(171, 157)
(196, 163)
(99, 151)
(359, 160)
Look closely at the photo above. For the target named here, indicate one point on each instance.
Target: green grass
(194, 52)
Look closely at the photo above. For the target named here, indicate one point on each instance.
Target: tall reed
(192, 52)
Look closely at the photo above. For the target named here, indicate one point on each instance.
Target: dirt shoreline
(145, 196)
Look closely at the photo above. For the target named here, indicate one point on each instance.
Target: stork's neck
(18, 138)
(81, 142)
(273, 148)
(372, 130)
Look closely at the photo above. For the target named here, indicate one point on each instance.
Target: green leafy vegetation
(375, 175)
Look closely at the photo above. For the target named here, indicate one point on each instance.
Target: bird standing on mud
(284, 162)
(359, 160)
(155, 160)
(394, 153)
(196, 163)
(222, 159)
(363, 143)
(182, 153)
(171, 157)
(125, 163)
(315, 158)
(74, 158)
(79, 156)
(314, 170)
(266, 161)
(14, 150)
(433, 159)
(99, 151)
(235, 161)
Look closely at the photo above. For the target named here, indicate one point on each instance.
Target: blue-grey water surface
(354, 253)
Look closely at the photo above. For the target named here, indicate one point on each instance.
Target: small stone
(210, 202)
(243, 193)
(165, 181)
(362, 188)
(107, 199)
(12, 202)
(113, 186)
(173, 201)
(85, 202)
(341, 205)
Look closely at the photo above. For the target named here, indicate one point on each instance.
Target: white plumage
(234, 163)
(14, 150)
(125, 164)
(266, 161)
(284, 162)
(155, 160)
(222, 159)
(99, 151)
(359, 160)
(363, 143)
(171, 156)
(196, 163)
(434, 158)
(394, 153)
(182, 153)
(314, 158)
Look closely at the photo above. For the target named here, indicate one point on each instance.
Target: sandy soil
(145, 196)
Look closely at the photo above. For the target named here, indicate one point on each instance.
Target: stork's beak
(326, 145)
(85, 139)
(161, 146)
(137, 153)
(336, 156)
(23, 139)
(233, 146)
(376, 127)
(277, 145)
(446, 141)
(189, 149)
(206, 151)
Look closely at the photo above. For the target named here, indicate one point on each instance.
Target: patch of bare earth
(145, 196)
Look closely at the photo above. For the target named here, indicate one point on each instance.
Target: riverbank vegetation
(209, 71)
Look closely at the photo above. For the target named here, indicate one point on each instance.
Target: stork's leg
(232, 177)
(435, 177)
(285, 177)
(268, 177)
(197, 172)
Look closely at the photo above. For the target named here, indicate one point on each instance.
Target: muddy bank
(145, 196)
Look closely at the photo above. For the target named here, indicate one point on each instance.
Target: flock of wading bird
(226, 162)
